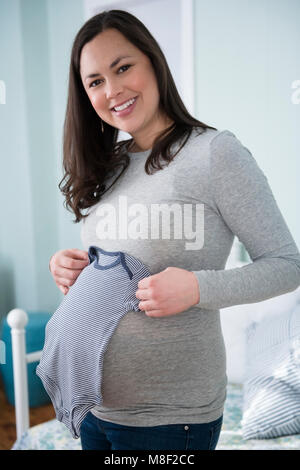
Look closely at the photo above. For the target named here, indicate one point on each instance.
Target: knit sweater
(172, 369)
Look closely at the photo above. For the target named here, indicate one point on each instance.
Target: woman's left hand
(167, 293)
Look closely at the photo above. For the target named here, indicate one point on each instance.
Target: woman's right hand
(66, 265)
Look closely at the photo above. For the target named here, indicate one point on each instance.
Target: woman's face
(114, 71)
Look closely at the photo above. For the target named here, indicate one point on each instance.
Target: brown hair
(90, 157)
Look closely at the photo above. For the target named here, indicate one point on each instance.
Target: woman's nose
(112, 89)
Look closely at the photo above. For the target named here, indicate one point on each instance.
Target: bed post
(17, 320)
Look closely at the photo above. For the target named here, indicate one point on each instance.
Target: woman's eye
(125, 66)
(96, 82)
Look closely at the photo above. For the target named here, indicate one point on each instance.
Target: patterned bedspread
(231, 434)
(53, 435)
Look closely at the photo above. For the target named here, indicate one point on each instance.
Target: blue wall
(35, 43)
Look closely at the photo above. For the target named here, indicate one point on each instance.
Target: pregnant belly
(156, 360)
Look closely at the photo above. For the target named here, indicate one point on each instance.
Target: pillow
(271, 400)
(236, 319)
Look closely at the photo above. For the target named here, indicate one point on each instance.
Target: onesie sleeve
(131, 302)
(243, 198)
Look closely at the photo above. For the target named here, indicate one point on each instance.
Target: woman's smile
(126, 108)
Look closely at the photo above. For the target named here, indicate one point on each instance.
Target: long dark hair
(90, 157)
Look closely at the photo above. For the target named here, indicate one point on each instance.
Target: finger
(146, 305)
(65, 273)
(76, 253)
(144, 283)
(64, 282)
(62, 287)
(73, 263)
(64, 290)
(142, 294)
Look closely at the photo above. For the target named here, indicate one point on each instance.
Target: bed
(53, 435)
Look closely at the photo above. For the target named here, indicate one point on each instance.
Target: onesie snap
(79, 331)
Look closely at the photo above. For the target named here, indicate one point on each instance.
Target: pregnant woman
(174, 196)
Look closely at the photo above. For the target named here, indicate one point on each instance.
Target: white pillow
(271, 405)
(236, 319)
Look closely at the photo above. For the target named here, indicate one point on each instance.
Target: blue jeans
(97, 434)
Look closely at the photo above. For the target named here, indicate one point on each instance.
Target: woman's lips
(127, 110)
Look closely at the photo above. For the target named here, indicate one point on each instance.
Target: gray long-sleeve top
(172, 369)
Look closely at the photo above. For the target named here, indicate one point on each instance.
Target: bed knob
(17, 318)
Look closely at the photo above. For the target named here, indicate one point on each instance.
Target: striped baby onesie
(78, 333)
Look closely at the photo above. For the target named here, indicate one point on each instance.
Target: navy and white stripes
(78, 333)
(272, 385)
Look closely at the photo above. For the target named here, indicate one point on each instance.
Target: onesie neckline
(93, 255)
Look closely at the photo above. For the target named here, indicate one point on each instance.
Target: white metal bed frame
(17, 320)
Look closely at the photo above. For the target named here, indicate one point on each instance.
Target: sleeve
(131, 302)
(244, 200)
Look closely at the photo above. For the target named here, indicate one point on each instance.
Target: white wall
(246, 60)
